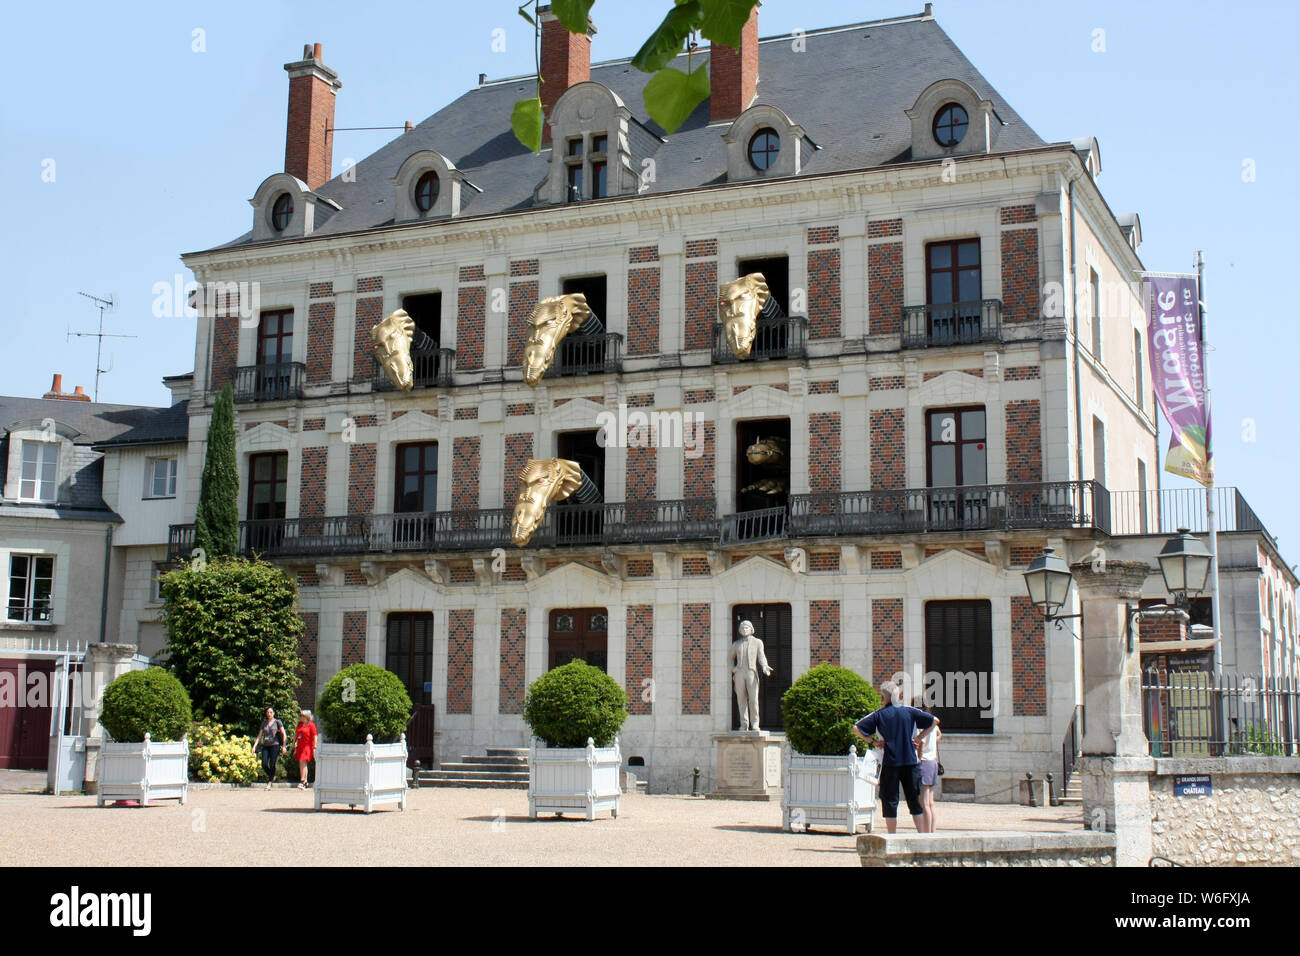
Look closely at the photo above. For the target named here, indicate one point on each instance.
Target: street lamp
(1048, 579)
(1184, 564)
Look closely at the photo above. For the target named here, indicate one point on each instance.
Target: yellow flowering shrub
(218, 756)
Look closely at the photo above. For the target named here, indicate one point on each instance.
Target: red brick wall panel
(824, 293)
(886, 638)
(643, 311)
(824, 452)
(460, 661)
(701, 310)
(1028, 660)
(1020, 294)
(320, 342)
(824, 632)
(523, 296)
(354, 638)
(696, 630)
(465, 468)
(639, 654)
(471, 325)
(514, 622)
(1024, 441)
(888, 450)
(885, 287)
(361, 478)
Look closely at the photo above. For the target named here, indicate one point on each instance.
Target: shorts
(929, 773)
(890, 778)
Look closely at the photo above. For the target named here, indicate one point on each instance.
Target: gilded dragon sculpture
(545, 481)
(394, 339)
(741, 303)
(552, 319)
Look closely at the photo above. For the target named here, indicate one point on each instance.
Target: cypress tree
(216, 525)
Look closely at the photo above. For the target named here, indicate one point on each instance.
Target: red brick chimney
(308, 148)
(566, 60)
(733, 74)
(56, 391)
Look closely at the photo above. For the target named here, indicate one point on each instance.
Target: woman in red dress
(304, 744)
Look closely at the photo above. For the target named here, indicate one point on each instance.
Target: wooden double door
(578, 632)
(25, 716)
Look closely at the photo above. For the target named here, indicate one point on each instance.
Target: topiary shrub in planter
(575, 713)
(360, 705)
(828, 774)
(146, 714)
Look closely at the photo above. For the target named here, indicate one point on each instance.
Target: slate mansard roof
(848, 89)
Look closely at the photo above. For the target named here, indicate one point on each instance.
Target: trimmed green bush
(232, 639)
(821, 707)
(571, 703)
(151, 701)
(363, 699)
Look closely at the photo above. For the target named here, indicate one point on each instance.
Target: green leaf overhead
(526, 121)
(722, 20)
(572, 14)
(669, 37)
(672, 95)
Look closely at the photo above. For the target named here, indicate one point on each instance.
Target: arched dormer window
(950, 119)
(764, 143)
(284, 208)
(428, 186)
(596, 146)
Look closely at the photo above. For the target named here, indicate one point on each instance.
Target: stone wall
(1251, 817)
(992, 849)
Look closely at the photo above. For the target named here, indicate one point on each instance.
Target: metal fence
(1199, 714)
(1163, 511)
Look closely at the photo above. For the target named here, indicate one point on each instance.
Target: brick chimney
(566, 60)
(56, 391)
(733, 74)
(308, 148)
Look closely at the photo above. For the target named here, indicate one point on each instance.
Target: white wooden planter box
(573, 779)
(365, 775)
(835, 791)
(144, 771)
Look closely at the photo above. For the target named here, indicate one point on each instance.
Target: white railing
(38, 643)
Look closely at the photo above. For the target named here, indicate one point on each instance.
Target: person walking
(304, 745)
(927, 752)
(897, 723)
(272, 737)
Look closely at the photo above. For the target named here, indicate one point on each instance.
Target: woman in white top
(927, 752)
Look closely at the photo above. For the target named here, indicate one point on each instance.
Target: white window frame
(45, 450)
(150, 490)
(28, 608)
(155, 594)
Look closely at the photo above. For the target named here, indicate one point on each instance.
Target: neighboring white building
(948, 410)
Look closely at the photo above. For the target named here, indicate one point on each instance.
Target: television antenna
(104, 305)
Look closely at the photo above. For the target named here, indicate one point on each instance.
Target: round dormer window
(426, 191)
(950, 125)
(763, 148)
(282, 212)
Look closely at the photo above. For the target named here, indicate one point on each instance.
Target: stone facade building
(957, 380)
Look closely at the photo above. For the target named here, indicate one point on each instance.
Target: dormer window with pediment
(763, 143)
(597, 146)
(428, 186)
(950, 119)
(285, 208)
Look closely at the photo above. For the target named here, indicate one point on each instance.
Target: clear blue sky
(157, 148)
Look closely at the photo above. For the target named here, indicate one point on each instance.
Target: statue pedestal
(749, 765)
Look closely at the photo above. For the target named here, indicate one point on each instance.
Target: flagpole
(1210, 517)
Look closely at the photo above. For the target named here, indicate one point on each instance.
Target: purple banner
(1178, 373)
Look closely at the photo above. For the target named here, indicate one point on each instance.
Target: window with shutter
(959, 650)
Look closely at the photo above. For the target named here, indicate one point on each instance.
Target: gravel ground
(240, 827)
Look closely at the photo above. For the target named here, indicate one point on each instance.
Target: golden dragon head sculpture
(552, 319)
(739, 303)
(766, 451)
(544, 481)
(392, 340)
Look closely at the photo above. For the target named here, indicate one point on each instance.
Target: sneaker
(302, 786)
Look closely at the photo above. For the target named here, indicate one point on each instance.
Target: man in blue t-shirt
(897, 724)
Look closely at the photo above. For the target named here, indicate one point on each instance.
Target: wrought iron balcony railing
(565, 525)
(783, 338)
(269, 382)
(432, 369)
(1012, 507)
(1163, 511)
(952, 323)
(587, 355)
(763, 524)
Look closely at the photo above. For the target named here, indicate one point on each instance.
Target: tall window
(957, 457)
(1094, 285)
(409, 654)
(1142, 494)
(417, 477)
(275, 338)
(1139, 372)
(160, 477)
(1098, 450)
(954, 291)
(268, 475)
(599, 167)
(40, 471)
(957, 447)
(31, 586)
(586, 161)
(959, 648)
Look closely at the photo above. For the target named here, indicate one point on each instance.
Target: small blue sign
(428, 687)
(1193, 785)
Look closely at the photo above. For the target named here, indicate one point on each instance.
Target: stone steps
(501, 768)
